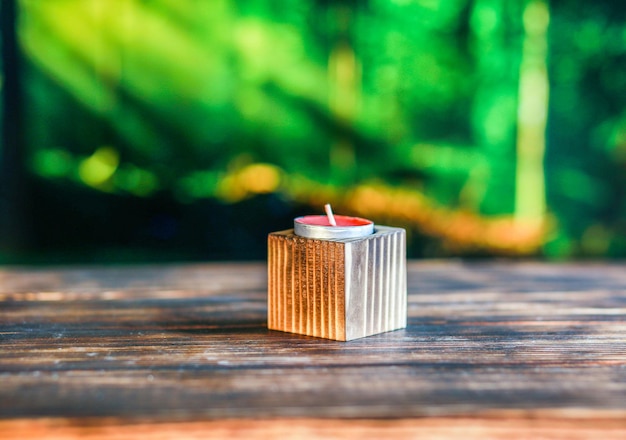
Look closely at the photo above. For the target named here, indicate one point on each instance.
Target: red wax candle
(342, 220)
(319, 226)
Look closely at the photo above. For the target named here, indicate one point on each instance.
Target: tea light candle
(332, 227)
(336, 277)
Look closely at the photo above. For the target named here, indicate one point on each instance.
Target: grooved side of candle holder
(306, 285)
(376, 293)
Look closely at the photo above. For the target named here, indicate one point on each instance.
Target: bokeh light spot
(98, 168)
(52, 163)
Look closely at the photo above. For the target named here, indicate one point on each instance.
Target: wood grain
(427, 428)
(306, 286)
(527, 345)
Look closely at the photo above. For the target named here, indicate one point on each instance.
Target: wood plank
(169, 344)
(247, 429)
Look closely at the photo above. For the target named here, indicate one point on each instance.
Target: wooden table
(523, 350)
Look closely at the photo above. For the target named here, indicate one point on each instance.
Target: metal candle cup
(337, 282)
(318, 226)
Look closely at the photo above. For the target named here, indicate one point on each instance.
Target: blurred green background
(177, 130)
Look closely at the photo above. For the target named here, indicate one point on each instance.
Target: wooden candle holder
(339, 289)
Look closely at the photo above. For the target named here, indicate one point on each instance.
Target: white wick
(329, 214)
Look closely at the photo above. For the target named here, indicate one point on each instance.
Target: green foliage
(225, 99)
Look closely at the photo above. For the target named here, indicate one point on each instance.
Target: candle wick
(329, 214)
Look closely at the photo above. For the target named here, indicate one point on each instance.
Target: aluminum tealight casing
(340, 289)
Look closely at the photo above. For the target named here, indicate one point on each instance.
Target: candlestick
(338, 282)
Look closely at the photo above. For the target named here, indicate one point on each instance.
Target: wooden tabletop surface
(517, 350)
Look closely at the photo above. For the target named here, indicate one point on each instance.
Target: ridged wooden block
(337, 289)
